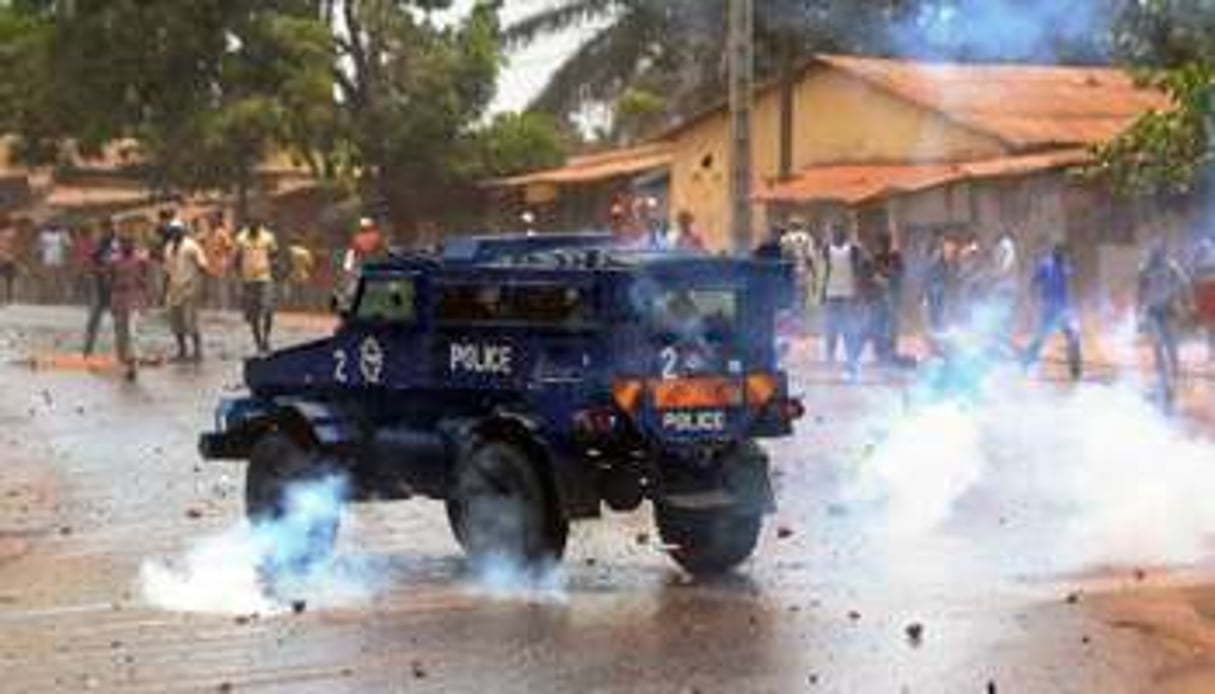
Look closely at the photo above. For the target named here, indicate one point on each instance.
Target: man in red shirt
(368, 244)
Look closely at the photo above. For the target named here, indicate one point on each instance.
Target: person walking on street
(1004, 274)
(129, 274)
(8, 257)
(1052, 289)
(888, 273)
(256, 249)
(842, 268)
(1202, 269)
(301, 264)
(939, 280)
(218, 247)
(53, 245)
(185, 270)
(105, 249)
(1161, 298)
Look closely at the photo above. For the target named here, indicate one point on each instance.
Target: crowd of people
(967, 288)
(124, 268)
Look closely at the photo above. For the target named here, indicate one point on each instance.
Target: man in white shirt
(185, 270)
(53, 243)
(841, 266)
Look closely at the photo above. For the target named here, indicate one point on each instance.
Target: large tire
(298, 522)
(500, 511)
(708, 542)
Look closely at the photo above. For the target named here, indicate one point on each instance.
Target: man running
(1162, 293)
(1052, 288)
(104, 252)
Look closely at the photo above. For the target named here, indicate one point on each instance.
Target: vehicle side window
(540, 305)
(388, 300)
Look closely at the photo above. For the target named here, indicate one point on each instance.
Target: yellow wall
(838, 119)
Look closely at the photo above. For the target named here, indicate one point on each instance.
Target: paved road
(824, 606)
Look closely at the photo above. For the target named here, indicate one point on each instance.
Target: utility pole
(742, 76)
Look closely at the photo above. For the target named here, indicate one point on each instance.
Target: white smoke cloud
(227, 573)
(1100, 474)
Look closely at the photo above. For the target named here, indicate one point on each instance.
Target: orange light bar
(696, 393)
(627, 394)
(761, 388)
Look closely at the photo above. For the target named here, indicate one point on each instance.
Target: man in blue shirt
(1052, 289)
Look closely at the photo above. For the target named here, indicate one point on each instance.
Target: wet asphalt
(824, 606)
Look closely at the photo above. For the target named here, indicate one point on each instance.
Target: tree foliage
(1164, 152)
(1167, 152)
(377, 94)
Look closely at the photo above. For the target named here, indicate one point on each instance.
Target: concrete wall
(838, 119)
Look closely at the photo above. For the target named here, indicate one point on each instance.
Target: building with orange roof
(916, 148)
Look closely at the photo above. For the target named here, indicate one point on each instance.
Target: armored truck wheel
(499, 509)
(708, 542)
(294, 502)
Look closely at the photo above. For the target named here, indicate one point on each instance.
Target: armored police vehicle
(529, 382)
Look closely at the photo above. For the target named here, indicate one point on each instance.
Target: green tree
(410, 91)
(514, 143)
(1170, 45)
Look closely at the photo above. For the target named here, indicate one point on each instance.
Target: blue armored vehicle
(528, 382)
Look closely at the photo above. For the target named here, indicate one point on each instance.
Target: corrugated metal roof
(1026, 106)
(852, 184)
(597, 167)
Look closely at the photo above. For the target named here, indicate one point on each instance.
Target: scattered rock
(347, 672)
(225, 687)
(813, 679)
(854, 615)
(298, 606)
(1073, 597)
(244, 619)
(991, 687)
(915, 634)
(65, 530)
(194, 513)
(115, 645)
(590, 561)
(642, 538)
(795, 608)
(1086, 639)
(1140, 575)
(783, 533)
(419, 671)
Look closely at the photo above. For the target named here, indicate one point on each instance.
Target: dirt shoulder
(1180, 620)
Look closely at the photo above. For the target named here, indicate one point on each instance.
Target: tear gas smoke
(500, 570)
(1096, 472)
(226, 573)
(503, 577)
(1041, 31)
